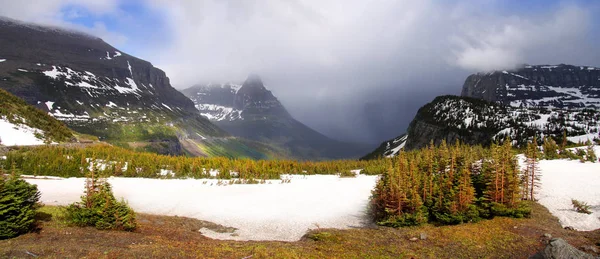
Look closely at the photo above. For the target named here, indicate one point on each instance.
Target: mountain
(561, 86)
(530, 101)
(250, 110)
(96, 89)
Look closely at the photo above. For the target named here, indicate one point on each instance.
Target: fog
(352, 69)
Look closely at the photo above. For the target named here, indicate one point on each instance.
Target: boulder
(558, 248)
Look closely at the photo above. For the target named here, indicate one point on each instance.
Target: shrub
(522, 211)
(347, 174)
(581, 207)
(99, 208)
(18, 204)
(405, 219)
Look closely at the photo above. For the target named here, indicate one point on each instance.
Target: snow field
(272, 211)
(563, 180)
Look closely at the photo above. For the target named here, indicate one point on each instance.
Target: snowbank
(563, 180)
(272, 211)
(21, 135)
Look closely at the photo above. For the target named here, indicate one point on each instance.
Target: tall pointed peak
(253, 85)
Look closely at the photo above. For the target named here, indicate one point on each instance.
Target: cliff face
(560, 86)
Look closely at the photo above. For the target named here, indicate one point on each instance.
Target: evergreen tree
(18, 203)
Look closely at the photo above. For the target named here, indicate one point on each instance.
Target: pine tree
(18, 203)
(532, 172)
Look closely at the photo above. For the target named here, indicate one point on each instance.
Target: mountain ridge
(97, 89)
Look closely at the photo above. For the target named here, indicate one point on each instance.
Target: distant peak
(253, 82)
(254, 78)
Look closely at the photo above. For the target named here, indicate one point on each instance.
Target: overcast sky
(352, 69)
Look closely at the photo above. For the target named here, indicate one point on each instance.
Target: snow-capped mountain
(560, 86)
(215, 101)
(530, 101)
(97, 89)
(233, 102)
(251, 111)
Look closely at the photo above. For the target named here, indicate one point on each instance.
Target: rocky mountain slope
(251, 111)
(561, 86)
(96, 89)
(533, 100)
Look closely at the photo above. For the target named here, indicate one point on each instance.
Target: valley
(101, 156)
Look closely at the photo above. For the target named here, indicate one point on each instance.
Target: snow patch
(18, 134)
(49, 104)
(563, 180)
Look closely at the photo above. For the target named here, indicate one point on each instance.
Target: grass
(162, 236)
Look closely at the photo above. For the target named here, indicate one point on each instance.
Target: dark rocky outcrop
(558, 248)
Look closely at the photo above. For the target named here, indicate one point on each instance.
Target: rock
(569, 228)
(423, 236)
(546, 238)
(413, 239)
(559, 249)
(590, 249)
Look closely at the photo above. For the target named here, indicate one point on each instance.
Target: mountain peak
(253, 84)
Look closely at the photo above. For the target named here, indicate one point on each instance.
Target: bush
(405, 219)
(581, 207)
(347, 174)
(522, 211)
(18, 204)
(99, 208)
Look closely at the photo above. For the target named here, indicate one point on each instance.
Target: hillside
(530, 101)
(251, 111)
(22, 124)
(96, 89)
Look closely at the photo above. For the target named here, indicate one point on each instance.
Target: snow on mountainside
(19, 134)
(561, 86)
(98, 90)
(215, 101)
(232, 102)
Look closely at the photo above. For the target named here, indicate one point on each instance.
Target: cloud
(328, 60)
(60, 12)
(517, 40)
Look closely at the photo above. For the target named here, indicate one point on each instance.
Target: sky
(352, 69)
